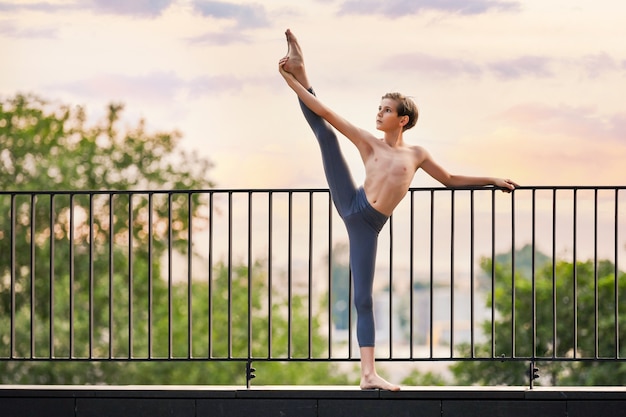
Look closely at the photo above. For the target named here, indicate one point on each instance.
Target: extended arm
(358, 136)
(449, 180)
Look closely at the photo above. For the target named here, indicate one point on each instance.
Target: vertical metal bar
(452, 230)
(130, 276)
(270, 254)
(431, 275)
(575, 277)
(111, 272)
(533, 299)
(554, 294)
(170, 307)
(230, 275)
(51, 259)
(472, 242)
(330, 277)
(250, 275)
(350, 304)
(289, 275)
(493, 273)
(390, 313)
(513, 316)
(616, 274)
(189, 276)
(71, 268)
(210, 283)
(595, 272)
(310, 276)
(91, 276)
(33, 314)
(411, 274)
(150, 276)
(13, 276)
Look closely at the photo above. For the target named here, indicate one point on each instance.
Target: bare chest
(398, 165)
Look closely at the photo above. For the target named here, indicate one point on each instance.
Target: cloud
(570, 121)
(245, 15)
(454, 67)
(214, 85)
(538, 144)
(220, 38)
(15, 6)
(526, 65)
(152, 87)
(435, 66)
(596, 64)
(400, 8)
(593, 66)
(137, 8)
(9, 29)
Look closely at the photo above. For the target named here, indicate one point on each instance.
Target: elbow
(450, 182)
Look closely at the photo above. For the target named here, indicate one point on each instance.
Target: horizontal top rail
(306, 190)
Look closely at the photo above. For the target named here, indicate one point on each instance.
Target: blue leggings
(362, 221)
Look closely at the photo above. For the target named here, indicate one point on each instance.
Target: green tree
(92, 287)
(195, 334)
(58, 244)
(48, 147)
(566, 299)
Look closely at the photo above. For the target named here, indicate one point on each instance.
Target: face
(387, 117)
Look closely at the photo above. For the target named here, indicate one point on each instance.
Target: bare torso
(389, 172)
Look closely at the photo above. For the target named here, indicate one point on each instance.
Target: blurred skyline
(530, 90)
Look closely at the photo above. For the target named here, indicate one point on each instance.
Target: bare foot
(295, 61)
(376, 382)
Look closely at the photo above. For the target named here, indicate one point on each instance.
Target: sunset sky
(533, 90)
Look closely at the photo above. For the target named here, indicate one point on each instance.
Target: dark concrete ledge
(308, 401)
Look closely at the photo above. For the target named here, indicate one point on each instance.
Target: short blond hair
(406, 107)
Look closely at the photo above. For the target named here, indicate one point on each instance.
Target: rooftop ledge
(311, 391)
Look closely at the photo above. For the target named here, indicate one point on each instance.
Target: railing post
(249, 373)
(532, 373)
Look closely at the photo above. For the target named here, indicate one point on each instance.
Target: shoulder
(420, 153)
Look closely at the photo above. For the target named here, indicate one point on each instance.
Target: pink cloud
(582, 122)
(597, 64)
(434, 65)
(553, 145)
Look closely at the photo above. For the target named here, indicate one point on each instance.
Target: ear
(404, 120)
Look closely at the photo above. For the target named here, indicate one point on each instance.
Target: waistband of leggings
(374, 217)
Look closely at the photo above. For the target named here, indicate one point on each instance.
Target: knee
(363, 303)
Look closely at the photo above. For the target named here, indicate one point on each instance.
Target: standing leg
(363, 228)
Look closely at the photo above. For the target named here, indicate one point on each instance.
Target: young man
(390, 165)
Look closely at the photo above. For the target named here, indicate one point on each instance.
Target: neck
(393, 138)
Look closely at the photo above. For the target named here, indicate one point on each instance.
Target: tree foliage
(575, 316)
(82, 270)
(49, 146)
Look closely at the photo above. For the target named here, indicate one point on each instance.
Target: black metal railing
(463, 275)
